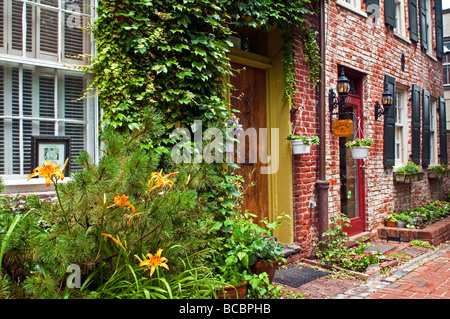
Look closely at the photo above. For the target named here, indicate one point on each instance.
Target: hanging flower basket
(298, 147)
(302, 144)
(360, 152)
(360, 147)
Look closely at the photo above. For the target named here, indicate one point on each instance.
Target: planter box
(435, 234)
(435, 175)
(402, 178)
(372, 270)
(407, 178)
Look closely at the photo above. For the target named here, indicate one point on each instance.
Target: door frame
(358, 224)
(280, 188)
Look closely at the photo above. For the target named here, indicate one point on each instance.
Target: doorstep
(435, 234)
(358, 238)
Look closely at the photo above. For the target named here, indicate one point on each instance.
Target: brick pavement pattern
(424, 277)
(430, 281)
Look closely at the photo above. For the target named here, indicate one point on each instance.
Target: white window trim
(429, 30)
(433, 133)
(356, 7)
(405, 131)
(400, 30)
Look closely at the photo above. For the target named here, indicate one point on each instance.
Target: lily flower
(122, 201)
(159, 181)
(116, 240)
(48, 170)
(152, 262)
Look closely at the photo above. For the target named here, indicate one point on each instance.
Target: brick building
(390, 44)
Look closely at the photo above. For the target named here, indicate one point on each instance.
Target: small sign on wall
(50, 148)
(343, 128)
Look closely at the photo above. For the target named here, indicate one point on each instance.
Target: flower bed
(435, 233)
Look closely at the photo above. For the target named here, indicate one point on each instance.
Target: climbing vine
(172, 54)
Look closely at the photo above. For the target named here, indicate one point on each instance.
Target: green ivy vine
(172, 55)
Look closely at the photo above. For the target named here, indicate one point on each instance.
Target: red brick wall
(374, 51)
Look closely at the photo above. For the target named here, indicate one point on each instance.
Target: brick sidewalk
(424, 277)
(428, 281)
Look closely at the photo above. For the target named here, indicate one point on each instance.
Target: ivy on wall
(172, 54)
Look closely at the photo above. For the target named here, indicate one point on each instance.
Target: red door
(352, 173)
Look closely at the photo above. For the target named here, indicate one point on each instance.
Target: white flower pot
(298, 147)
(360, 152)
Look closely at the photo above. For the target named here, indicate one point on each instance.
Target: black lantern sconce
(343, 88)
(386, 100)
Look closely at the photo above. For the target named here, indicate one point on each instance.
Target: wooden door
(249, 97)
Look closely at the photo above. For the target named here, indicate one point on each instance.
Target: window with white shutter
(48, 27)
(54, 30)
(44, 98)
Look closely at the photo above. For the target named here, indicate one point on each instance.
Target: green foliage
(409, 168)
(307, 140)
(172, 55)
(421, 243)
(334, 251)
(359, 142)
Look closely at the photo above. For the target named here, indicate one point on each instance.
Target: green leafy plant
(391, 217)
(439, 168)
(307, 140)
(409, 168)
(421, 243)
(365, 142)
(333, 249)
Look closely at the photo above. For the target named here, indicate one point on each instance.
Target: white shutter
(73, 34)
(15, 122)
(16, 26)
(49, 28)
(47, 104)
(74, 109)
(2, 20)
(2, 125)
(27, 99)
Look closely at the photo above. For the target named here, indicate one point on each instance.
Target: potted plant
(402, 220)
(360, 147)
(390, 220)
(407, 173)
(437, 172)
(269, 256)
(302, 144)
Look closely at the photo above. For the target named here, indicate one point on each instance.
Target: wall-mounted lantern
(343, 88)
(386, 100)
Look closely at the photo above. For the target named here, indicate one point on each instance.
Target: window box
(407, 178)
(435, 175)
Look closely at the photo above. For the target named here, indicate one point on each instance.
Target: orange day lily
(48, 170)
(122, 201)
(153, 261)
(158, 180)
(116, 240)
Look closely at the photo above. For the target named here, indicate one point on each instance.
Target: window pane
(445, 68)
(74, 108)
(49, 28)
(73, 36)
(46, 104)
